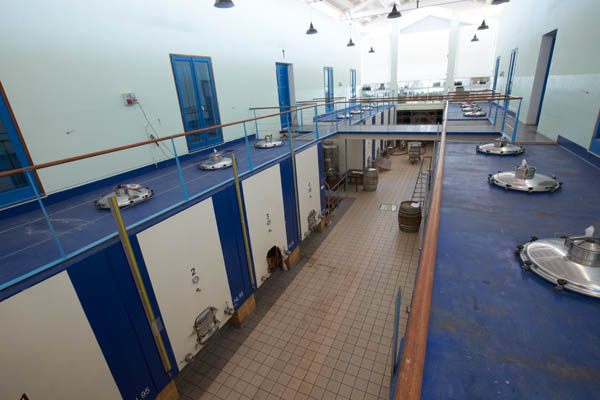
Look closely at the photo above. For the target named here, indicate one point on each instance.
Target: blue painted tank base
(496, 331)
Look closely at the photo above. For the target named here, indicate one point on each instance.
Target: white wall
(375, 67)
(572, 94)
(65, 64)
(475, 59)
(422, 55)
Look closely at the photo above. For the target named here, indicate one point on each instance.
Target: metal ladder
(423, 183)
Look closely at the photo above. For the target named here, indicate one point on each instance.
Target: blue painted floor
(26, 242)
(455, 113)
(496, 332)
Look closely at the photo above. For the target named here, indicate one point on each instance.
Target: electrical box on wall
(129, 99)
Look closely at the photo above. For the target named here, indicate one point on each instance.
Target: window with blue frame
(328, 81)
(14, 189)
(195, 84)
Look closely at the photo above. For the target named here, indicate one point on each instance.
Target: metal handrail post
(179, 171)
(248, 146)
(346, 177)
(316, 122)
(504, 117)
(256, 124)
(514, 135)
(28, 174)
(496, 114)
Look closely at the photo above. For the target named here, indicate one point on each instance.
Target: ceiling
(364, 12)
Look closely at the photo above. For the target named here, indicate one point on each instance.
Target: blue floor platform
(27, 244)
(496, 332)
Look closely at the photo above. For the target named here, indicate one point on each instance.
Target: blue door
(595, 144)
(353, 83)
(509, 78)
(328, 73)
(496, 68)
(283, 90)
(14, 189)
(197, 99)
(552, 35)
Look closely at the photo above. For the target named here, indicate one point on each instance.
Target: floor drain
(388, 207)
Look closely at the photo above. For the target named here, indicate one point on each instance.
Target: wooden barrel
(370, 179)
(409, 216)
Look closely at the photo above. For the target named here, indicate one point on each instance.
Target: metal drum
(500, 146)
(268, 142)
(370, 179)
(569, 262)
(127, 195)
(409, 216)
(525, 179)
(330, 155)
(475, 113)
(216, 161)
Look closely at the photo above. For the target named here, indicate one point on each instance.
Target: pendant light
(394, 13)
(311, 30)
(483, 26)
(371, 51)
(224, 3)
(350, 43)
(475, 38)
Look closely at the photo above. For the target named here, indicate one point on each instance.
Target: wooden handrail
(133, 145)
(177, 135)
(410, 375)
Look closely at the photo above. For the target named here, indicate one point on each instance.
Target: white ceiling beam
(361, 6)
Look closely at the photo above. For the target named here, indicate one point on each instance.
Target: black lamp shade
(350, 43)
(371, 51)
(394, 13)
(475, 38)
(311, 30)
(483, 26)
(224, 3)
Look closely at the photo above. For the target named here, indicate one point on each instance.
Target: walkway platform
(496, 332)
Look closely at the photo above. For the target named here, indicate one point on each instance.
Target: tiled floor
(324, 329)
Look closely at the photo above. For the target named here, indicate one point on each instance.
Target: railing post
(248, 147)
(504, 117)
(185, 193)
(514, 135)
(346, 177)
(48, 222)
(256, 124)
(301, 122)
(336, 117)
(316, 122)
(496, 113)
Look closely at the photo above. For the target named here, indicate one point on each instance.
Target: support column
(452, 47)
(394, 60)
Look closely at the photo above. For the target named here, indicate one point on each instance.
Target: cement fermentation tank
(330, 161)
